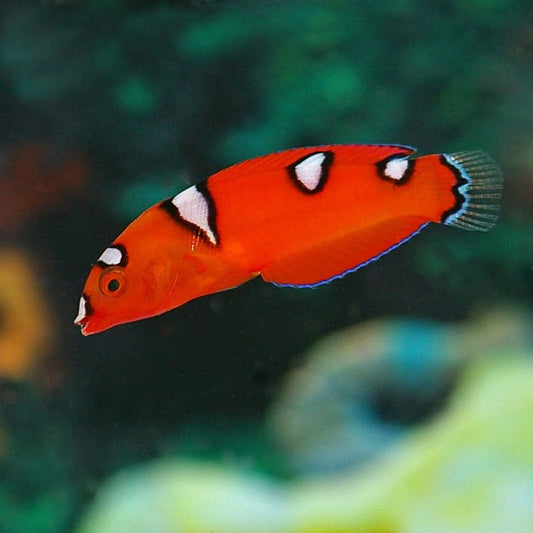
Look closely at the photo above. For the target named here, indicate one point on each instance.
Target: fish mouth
(82, 323)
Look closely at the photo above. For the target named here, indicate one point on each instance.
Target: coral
(469, 470)
(31, 179)
(362, 388)
(25, 318)
(178, 496)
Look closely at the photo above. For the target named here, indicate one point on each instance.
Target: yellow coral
(25, 323)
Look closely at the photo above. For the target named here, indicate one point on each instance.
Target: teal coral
(362, 389)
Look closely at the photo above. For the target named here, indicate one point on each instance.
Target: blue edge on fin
(478, 190)
(357, 267)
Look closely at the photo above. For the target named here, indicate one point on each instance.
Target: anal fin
(330, 260)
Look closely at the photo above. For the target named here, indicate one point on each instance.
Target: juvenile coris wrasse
(300, 217)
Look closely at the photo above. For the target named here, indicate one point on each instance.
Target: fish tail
(478, 191)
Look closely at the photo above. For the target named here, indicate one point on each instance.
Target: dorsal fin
(345, 154)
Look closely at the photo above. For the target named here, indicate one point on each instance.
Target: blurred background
(397, 399)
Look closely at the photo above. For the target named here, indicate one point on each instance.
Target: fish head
(131, 279)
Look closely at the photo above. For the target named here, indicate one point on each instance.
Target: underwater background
(398, 399)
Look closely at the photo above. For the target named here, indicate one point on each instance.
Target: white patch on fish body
(193, 208)
(395, 169)
(309, 171)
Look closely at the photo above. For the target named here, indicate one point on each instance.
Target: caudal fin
(478, 190)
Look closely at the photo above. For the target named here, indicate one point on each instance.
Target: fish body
(300, 217)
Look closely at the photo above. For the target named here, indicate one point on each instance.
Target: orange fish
(300, 217)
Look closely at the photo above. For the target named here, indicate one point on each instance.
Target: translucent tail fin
(479, 191)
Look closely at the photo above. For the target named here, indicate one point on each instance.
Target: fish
(299, 217)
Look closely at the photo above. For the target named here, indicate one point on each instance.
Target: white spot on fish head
(111, 256)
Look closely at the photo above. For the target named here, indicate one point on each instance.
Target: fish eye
(113, 285)
(112, 282)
